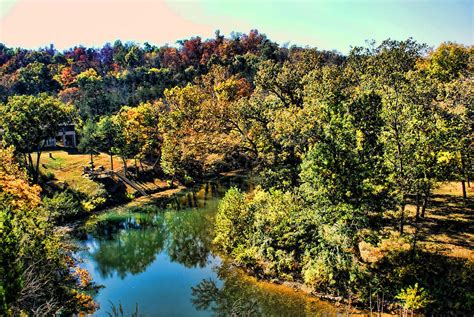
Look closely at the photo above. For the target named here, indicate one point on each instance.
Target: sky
(336, 24)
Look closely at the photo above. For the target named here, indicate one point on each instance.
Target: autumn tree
(37, 274)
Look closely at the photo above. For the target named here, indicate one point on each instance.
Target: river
(159, 261)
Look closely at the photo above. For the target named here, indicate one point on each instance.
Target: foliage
(336, 142)
(37, 273)
(63, 205)
(232, 220)
(413, 297)
(27, 121)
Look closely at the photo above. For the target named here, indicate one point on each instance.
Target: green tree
(233, 221)
(413, 298)
(94, 100)
(28, 121)
(387, 67)
(89, 139)
(107, 133)
(37, 274)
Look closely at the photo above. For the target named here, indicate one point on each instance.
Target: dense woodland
(338, 145)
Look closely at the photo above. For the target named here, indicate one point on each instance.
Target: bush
(414, 298)
(96, 199)
(274, 232)
(63, 205)
(233, 220)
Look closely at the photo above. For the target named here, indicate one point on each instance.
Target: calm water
(161, 260)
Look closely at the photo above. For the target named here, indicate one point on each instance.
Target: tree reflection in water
(190, 237)
(242, 296)
(130, 242)
(127, 248)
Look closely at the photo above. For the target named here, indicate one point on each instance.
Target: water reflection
(190, 238)
(162, 260)
(130, 244)
(129, 251)
(241, 295)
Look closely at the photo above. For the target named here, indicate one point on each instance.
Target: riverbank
(442, 247)
(296, 291)
(170, 251)
(435, 251)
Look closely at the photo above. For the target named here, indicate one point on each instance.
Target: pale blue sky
(336, 24)
(339, 24)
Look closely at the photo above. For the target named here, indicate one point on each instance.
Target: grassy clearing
(67, 167)
(447, 229)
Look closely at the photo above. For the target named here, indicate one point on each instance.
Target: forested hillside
(339, 146)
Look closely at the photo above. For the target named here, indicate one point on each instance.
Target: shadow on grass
(449, 280)
(443, 203)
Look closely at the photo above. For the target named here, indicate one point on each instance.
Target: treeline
(335, 142)
(101, 80)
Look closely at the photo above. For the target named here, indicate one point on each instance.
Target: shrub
(233, 220)
(414, 298)
(63, 205)
(96, 199)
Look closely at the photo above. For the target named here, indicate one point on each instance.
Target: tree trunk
(125, 171)
(30, 164)
(415, 238)
(468, 173)
(172, 182)
(402, 217)
(425, 204)
(463, 165)
(417, 206)
(464, 192)
(36, 173)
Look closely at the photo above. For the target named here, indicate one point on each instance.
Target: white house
(66, 135)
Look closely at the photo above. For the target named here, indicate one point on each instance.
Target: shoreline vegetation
(362, 163)
(446, 189)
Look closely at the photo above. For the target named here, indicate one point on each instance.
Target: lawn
(67, 167)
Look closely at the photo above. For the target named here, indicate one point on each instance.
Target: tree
(185, 131)
(107, 133)
(450, 67)
(94, 99)
(449, 61)
(89, 139)
(28, 121)
(33, 79)
(413, 298)
(387, 67)
(37, 274)
(456, 103)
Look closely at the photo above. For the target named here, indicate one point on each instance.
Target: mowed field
(68, 166)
